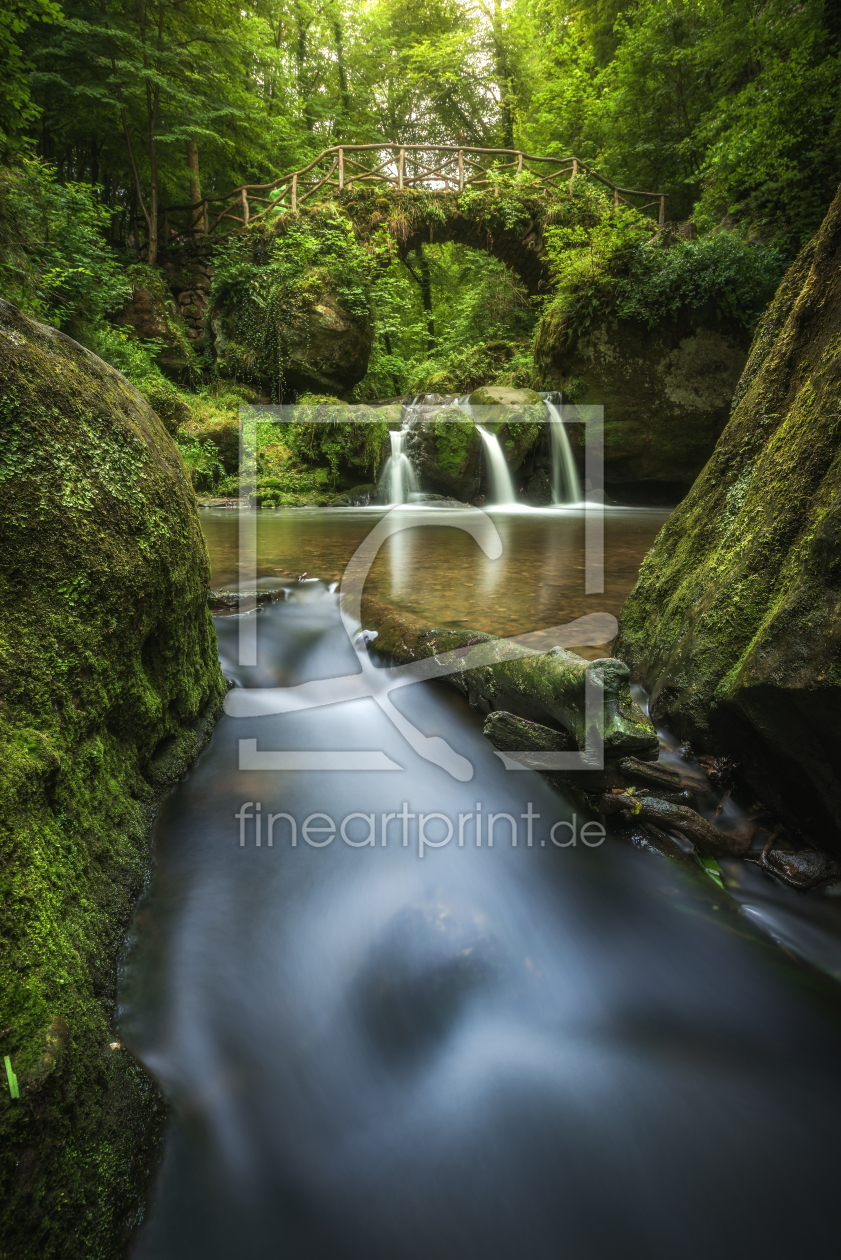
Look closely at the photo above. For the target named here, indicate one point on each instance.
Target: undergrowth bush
(495, 362)
(54, 262)
(622, 265)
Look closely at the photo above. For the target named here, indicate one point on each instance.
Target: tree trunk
(503, 80)
(300, 58)
(95, 152)
(152, 255)
(340, 64)
(195, 182)
(426, 297)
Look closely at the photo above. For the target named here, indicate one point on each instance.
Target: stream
(384, 1036)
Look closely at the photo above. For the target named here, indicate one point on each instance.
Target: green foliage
(54, 263)
(587, 262)
(739, 279)
(131, 355)
(487, 363)
(329, 433)
(267, 280)
(16, 105)
(203, 461)
(620, 267)
(727, 106)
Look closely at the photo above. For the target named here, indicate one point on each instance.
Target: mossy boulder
(539, 686)
(446, 451)
(735, 622)
(153, 314)
(109, 684)
(314, 344)
(516, 416)
(666, 391)
(504, 396)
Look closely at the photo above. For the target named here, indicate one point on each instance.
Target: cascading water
(500, 485)
(499, 475)
(566, 485)
(398, 479)
(473, 1049)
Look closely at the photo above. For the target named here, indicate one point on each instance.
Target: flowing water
(566, 484)
(439, 574)
(398, 479)
(384, 1036)
(500, 485)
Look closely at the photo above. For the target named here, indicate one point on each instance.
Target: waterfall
(566, 486)
(398, 479)
(500, 485)
(499, 474)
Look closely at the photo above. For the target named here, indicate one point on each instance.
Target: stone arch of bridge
(522, 249)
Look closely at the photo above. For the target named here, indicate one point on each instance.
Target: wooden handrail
(199, 217)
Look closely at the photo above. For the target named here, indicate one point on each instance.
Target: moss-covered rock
(153, 314)
(446, 448)
(666, 391)
(735, 622)
(504, 396)
(323, 346)
(446, 451)
(540, 686)
(109, 684)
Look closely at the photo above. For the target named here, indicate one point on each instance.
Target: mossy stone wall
(735, 621)
(109, 685)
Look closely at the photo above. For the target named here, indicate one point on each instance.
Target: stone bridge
(509, 195)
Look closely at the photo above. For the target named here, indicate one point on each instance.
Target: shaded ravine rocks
(661, 809)
(666, 391)
(735, 622)
(109, 687)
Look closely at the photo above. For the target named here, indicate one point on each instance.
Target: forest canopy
(115, 109)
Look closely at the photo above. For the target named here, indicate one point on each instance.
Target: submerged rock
(734, 625)
(110, 684)
(418, 976)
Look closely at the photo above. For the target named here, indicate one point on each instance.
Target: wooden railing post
(519, 163)
(662, 218)
(574, 173)
(205, 217)
(244, 208)
(400, 169)
(616, 198)
(295, 191)
(461, 170)
(341, 169)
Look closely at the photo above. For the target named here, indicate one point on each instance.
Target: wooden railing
(438, 168)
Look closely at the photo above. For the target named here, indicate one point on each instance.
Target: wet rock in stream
(806, 869)
(541, 687)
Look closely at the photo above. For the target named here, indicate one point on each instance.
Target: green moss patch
(109, 685)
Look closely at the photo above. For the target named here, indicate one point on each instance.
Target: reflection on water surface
(440, 574)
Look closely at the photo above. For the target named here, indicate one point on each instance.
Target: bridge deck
(445, 169)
